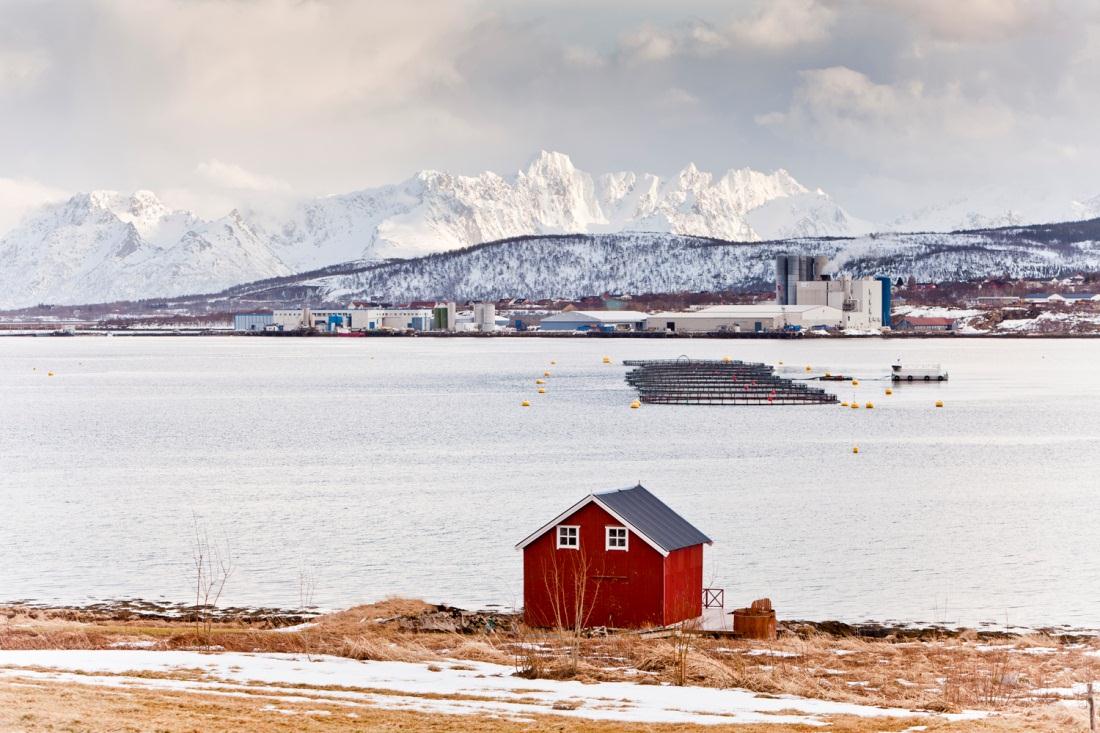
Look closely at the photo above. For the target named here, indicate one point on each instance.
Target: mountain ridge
(105, 245)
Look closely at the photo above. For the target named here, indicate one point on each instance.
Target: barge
(918, 373)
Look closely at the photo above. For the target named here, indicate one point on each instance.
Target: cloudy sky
(886, 104)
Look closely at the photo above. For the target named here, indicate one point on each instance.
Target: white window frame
(625, 547)
(576, 537)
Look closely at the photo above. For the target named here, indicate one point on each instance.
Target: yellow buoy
(855, 382)
(855, 405)
(808, 368)
(870, 405)
(540, 381)
(939, 403)
(525, 403)
(635, 405)
(889, 391)
(49, 374)
(607, 360)
(546, 374)
(843, 404)
(855, 449)
(542, 390)
(827, 374)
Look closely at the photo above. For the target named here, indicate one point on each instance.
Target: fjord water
(406, 466)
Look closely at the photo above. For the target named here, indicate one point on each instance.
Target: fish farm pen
(710, 382)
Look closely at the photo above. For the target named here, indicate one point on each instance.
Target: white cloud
(19, 196)
(903, 123)
(230, 175)
(678, 98)
(976, 20)
(20, 69)
(582, 58)
(780, 24)
(649, 44)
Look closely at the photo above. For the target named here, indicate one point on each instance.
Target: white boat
(918, 373)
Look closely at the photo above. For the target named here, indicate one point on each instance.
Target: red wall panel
(683, 596)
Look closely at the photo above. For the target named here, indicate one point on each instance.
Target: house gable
(567, 517)
(646, 516)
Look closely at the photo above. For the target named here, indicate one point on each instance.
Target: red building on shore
(618, 558)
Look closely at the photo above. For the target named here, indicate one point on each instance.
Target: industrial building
(354, 319)
(594, 321)
(864, 303)
(746, 318)
(926, 323)
(485, 316)
(444, 317)
(253, 322)
(793, 269)
(861, 301)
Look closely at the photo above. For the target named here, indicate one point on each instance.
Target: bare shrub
(212, 564)
(571, 600)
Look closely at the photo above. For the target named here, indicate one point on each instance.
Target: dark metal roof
(652, 517)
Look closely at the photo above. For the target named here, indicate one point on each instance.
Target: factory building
(252, 321)
(594, 321)
(746, 318)
(444, 317)
(355, 319)
(864, 303)
(860, 300)
(485, 316)
(793, 269)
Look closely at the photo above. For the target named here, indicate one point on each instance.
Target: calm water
(406, 466)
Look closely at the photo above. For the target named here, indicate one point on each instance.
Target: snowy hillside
(579, 265)
(105, 246)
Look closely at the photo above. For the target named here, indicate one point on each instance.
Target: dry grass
(936, 674)
(34, 706)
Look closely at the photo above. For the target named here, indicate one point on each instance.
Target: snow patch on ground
(469, 688)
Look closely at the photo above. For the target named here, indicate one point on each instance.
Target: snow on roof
(598, 316)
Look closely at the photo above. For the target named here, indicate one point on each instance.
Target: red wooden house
(616, 558)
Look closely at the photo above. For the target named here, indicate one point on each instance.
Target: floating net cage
(685, 381)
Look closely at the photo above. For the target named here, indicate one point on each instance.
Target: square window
(568, 537)
(616, 538)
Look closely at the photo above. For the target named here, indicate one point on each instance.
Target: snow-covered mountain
(996, 207)
(104, 246)
(572, 266)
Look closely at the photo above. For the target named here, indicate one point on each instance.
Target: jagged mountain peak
(432, 211)
(550, 163)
